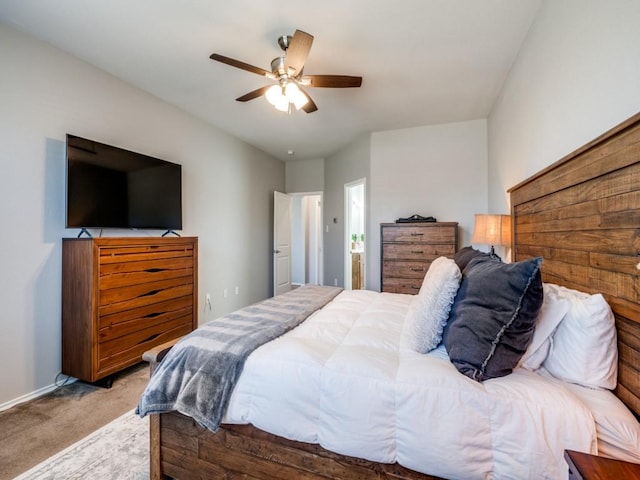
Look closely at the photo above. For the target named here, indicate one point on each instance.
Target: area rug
(118, 451)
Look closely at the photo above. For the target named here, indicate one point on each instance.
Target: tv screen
(109, 187)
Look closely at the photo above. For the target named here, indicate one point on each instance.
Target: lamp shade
(492, 229)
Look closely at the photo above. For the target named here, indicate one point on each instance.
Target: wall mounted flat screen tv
(109, 187)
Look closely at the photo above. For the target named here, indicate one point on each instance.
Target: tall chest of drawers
(407, 250)
(123, 296)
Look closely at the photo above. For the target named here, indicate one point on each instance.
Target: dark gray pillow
(463, 256)
(493, 316)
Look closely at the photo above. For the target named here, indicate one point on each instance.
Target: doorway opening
(355, 244)
(306, 241)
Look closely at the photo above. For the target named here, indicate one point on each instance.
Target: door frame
(318, 232)
(347, 235)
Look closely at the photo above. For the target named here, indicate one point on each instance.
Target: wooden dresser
(122, 296)
(407, 250)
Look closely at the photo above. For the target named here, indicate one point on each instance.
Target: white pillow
(617, 429)
(551, 314)
(584, 349)
(430, 309)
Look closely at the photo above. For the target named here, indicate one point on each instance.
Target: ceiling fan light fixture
(275, 97)
(287, 70)
(295, 96)
(282, 96)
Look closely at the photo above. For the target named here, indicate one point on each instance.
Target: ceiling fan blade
(332, 81)
(310, 106)
(254, 94)
(297, 51)
(239, 64)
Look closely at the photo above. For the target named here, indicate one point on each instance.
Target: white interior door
(281, 243)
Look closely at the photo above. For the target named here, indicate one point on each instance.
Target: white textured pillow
(430, 309)
(584, 349)
(551, 314)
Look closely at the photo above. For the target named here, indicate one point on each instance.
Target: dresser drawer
(405, 251)
(125, 298)
(121, 274)
(404, 269)
(419, 234)
(119, 253)
(402, 285)
(113, 354)
(128, 321)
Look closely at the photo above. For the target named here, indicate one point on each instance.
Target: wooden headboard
(582, 215)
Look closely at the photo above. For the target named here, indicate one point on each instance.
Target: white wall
(576, 76)
(350, 164)
(227, 196)
(302, 176)
(305, 176)
(436, 170)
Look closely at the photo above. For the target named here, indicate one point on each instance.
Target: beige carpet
(34, 431)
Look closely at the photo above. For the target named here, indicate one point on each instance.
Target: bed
(580, 215)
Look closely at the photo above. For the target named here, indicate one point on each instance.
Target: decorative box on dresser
(122, 296)
(407, 250)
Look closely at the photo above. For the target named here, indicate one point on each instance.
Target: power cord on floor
(66, 381)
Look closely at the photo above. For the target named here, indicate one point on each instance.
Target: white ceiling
(423, 62)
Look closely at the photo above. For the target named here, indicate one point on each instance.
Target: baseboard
(34, 394)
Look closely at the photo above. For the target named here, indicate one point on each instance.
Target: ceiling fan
(287, 70)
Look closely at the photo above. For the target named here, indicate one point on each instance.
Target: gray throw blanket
(198, 374)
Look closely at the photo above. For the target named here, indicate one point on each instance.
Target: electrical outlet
(225, 293)
(335, 282)
(237, 290)
(207, 299)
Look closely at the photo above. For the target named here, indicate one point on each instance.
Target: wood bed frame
(581, 214)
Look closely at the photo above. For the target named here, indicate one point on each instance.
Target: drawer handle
(416, 234)
(152, 337)
(417, 251)
(416, 269)
(155, 270)
(152, 292)
(153, 315)
(417, 287)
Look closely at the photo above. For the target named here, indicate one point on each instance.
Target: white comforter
(344, 380)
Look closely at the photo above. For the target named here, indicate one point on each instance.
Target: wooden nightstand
(583, 466)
